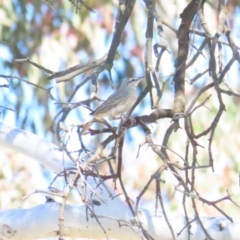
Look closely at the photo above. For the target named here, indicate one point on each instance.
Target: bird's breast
(117, 106)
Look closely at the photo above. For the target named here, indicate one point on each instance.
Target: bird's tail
(86, 127)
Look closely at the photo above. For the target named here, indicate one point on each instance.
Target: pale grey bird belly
(116, 109)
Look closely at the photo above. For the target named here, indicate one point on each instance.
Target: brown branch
(27, 60)
(155, 176)
(124, 13)
(199, 51)
(194, 79)
(98, 152)
(159, 194)
(71, 183)
(63, 76)
(213, 128)
(151, 118)
(199, 220)
(47, 90)
(180, 64)
(203, 22)
(184, 196)
(120, 149)
(148, 54)
(213, 203)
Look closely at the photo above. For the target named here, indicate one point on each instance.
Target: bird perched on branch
(116, 104)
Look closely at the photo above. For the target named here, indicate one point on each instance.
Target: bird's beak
(140, 78)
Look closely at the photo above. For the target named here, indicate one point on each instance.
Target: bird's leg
(132, 120)
(125, 118)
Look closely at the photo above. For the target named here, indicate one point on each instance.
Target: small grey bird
(116, 104)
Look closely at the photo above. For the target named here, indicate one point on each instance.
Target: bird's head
(133, 82)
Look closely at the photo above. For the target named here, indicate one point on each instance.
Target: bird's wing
(111, 102)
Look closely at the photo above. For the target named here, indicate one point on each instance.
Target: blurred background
(56, 36)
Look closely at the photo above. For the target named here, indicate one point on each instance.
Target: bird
(116, 104)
